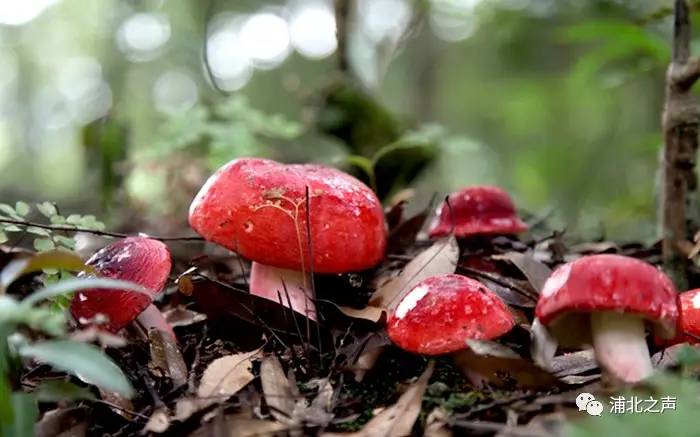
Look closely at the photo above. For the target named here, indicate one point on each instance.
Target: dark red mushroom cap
(441, 312)
(479, 210)
(136, 259)
(257, 208)
(609, 283)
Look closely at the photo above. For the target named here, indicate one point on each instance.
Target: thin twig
(92, 231)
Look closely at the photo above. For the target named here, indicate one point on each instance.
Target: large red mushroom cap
(478, 210)
(136, 259)
(609, 283)
(441, 312)
(257, 208)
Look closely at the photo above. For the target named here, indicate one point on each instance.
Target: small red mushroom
(441, 312)
(257, 208)
(477, 210)
(137, 259)
(604, 300)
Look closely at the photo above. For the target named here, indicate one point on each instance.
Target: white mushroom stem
(272, 283)
(620, 346)
(151, 317)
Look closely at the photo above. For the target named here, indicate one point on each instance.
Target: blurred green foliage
(557, 101)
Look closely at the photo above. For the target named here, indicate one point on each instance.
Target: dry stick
(319, 316)
(92, 231)
(342, 19)
(681, 121)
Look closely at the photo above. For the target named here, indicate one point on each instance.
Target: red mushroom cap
(688, 320)
(441, 312)
(257, 207)
(479, 210)
(136, 259)
(609, 283)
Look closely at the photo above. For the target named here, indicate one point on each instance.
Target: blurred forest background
(122, 108)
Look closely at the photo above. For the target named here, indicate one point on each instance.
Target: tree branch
(91, 231)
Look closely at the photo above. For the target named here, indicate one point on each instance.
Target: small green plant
(14, 220)
(18, 410)
(230, 129)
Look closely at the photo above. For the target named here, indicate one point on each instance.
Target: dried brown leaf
(535, 271)
(241, 425)
(574, 363)
(280, 394)
(497, 365)
(225, 376)
(398, 419)
(373, 314)
(166, 358)
(440, 258)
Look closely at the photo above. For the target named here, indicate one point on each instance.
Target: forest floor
(243, 365)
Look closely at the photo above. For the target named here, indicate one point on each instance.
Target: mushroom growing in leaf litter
(141, 260)
(605, 300)
(441, 312)
(477, 210)
(258, 208)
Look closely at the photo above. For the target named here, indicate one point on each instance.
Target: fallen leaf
(62, 422)
(373, 314)
(535, 271)
(398, 419)
(166, 358)
(159, 422)
(497, 365)
(543, 346)
(366, 361)
(180, 316)
(440, 258)
(436, 424)
(319, 412)
(573, 363)
(241, 425)
(119, 404)
(280, 394)
(224, 377)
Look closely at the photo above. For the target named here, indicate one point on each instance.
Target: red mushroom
(441, 312)
(136, 259)
(478, 210)
(257, 208)
(605, 300)
(688, 321)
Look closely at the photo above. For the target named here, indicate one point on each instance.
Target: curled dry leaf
(166, 358)
(398, 419)
(440, 258)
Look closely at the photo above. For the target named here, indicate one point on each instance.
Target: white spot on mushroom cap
(696, 301)
(556, 280)
(410, 301)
